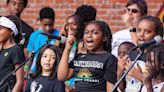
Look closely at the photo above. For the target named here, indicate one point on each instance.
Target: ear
(104, 39)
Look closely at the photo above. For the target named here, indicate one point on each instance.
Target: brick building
(108, 10)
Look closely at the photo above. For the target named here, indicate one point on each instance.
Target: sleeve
(71, 65)
(111, 70)
(17, 55)
(60, 87)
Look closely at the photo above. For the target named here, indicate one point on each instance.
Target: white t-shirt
(118, 38)
(156, 88)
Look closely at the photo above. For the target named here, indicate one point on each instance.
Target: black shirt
(91, 71)
(8, 59)
(43, 84)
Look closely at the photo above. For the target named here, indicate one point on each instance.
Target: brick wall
(108, 10)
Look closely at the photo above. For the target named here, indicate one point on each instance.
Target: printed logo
(84, 73)
(35, 87)
(6, 54)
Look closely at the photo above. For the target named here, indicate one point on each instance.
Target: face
(93, 38)
(15, 7)
(134, 12)
(123, 50)
(71, 25)
(47, 24)
(5, 34)
(145, 31)
(48, 60)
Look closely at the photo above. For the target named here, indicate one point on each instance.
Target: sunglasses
(131, 10)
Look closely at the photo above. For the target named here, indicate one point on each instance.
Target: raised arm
(63, 68)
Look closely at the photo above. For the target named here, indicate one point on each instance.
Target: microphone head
(63, 39)
(158, 39)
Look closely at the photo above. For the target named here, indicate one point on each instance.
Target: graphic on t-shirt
(84, 73)
(6, 54)
(35, 87)
(93, 64)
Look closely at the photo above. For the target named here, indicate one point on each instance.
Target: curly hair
(87, 12)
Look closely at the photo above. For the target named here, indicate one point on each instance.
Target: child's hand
(121, 64)
(135, 70)
(70, 40)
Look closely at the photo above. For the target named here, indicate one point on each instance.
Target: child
(11, 55)
(123, 50)
(74, 25)
(37, 40)
(96, 70)
(16, 7)
(129, 82)
(148, 27)
(45, 78)
(154, 74)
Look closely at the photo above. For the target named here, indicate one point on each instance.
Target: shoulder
(15, 48)
(36, 32)
(26, 26)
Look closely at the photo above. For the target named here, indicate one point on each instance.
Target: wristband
(26, 67)
(133, 30)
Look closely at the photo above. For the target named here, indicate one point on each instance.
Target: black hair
(141, 4)
(25, 2)
(106, 33)
(128, 44)
(158, 24)
(17, 22)
(158, 52)
(80, 23)
(38, 65)
(87, 12)
(47, 12)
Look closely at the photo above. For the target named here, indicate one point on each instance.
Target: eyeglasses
(131, 10)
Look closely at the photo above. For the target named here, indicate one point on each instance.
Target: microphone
(62, 39)
(155, 40)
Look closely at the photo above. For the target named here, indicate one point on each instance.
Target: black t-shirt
(25, 30)
(43, 84)
(91, 71)
(8, 59)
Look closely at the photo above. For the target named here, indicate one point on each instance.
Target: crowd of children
(90, 60)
